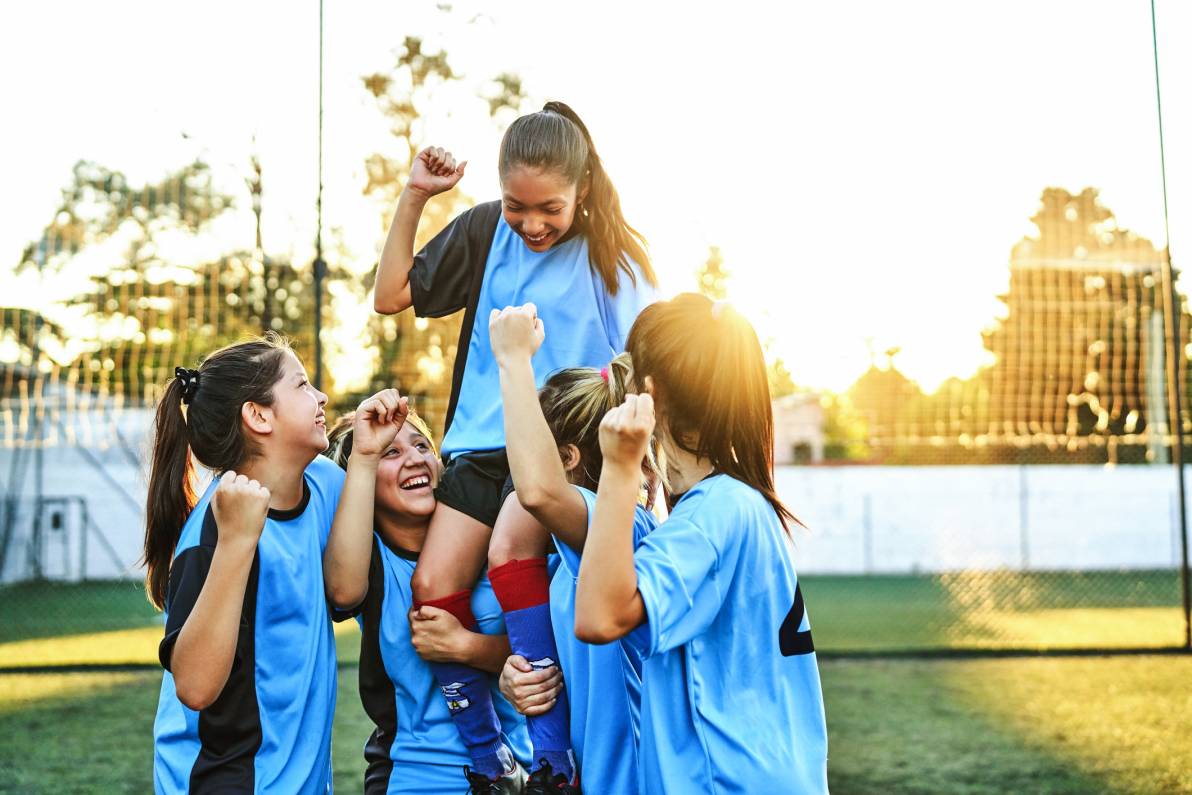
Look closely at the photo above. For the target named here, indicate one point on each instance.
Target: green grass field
(1113, 725)
(1023, 725)
(995, 610)
(111, 622)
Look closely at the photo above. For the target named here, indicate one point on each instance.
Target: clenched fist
(434, 171)
(515, 332)
(625, 431)
(377, 422)
(240, 506)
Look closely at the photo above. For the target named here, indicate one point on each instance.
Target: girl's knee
(422, 584)
(516, 536)
(501, 550)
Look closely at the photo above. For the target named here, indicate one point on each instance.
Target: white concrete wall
(906, 519)
(861, 519)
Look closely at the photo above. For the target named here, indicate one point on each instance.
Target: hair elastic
(604, 374)
(190, 383)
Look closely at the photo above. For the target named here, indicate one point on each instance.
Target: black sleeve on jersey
(447, 272)
(377, 695)
(188, 572)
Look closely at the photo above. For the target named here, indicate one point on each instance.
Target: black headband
(190, 383)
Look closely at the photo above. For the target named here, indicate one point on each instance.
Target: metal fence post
(1175, 372)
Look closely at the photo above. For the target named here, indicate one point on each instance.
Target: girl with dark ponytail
(731, 698)
(544, 141)
(558, 241)
(248, 648)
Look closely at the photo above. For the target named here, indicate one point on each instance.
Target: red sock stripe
(458, 604)
(519, 584)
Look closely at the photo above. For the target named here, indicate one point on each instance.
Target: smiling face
(407, 475)
(297, 417)
(539, 205)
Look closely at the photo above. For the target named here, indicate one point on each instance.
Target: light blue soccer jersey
(270, 729)
(603, 681)
(585, 326)
(416, 748)
(731, 698)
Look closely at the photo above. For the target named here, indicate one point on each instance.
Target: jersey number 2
(790, 640)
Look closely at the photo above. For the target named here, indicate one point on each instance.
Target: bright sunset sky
(864, 166)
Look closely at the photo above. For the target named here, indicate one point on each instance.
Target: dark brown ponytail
(556, 138)
(171, 491)
(211, 429)
(711, 389)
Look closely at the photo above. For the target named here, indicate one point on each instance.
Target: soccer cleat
(544, 781)
(511, 783)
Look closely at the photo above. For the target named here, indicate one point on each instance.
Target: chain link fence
(1032, 506)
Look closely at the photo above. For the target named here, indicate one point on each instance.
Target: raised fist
(515, 332)
(240, 506)
(434, 171)
(625, 431)
(377, 421)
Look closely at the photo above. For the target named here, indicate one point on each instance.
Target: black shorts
(476, 484)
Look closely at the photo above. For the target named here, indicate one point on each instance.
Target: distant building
(798, 429)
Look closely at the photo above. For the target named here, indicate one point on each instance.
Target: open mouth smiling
(416, 482)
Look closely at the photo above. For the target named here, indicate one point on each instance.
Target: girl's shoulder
(480, 217)
(719, 499)
(199, 528)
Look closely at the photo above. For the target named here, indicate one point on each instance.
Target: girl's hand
(625, 432)
(437, 635)
(240, 506)
(516, 332)
(530, 692)
(433, 172)
(377, 421)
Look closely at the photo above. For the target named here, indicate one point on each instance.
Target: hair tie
(717, 308)
(604, 374)
(190, 383)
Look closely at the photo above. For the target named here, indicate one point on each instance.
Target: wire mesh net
(1023, 508)
(1028, 506)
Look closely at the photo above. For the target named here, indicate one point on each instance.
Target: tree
(846, 435)
(1077, 356)
(712, 280)
(417, 355)
(781, 382)
(712, 277)
(1082, 333)
(141, 308)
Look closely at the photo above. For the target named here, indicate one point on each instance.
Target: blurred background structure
(970, 355)
(947, 221)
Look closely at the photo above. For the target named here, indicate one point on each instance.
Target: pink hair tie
(604, 374)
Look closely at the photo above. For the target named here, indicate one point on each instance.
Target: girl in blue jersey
(731, 699)
(248, 695)
(555, 459)
(557, 238)
(378, 534)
